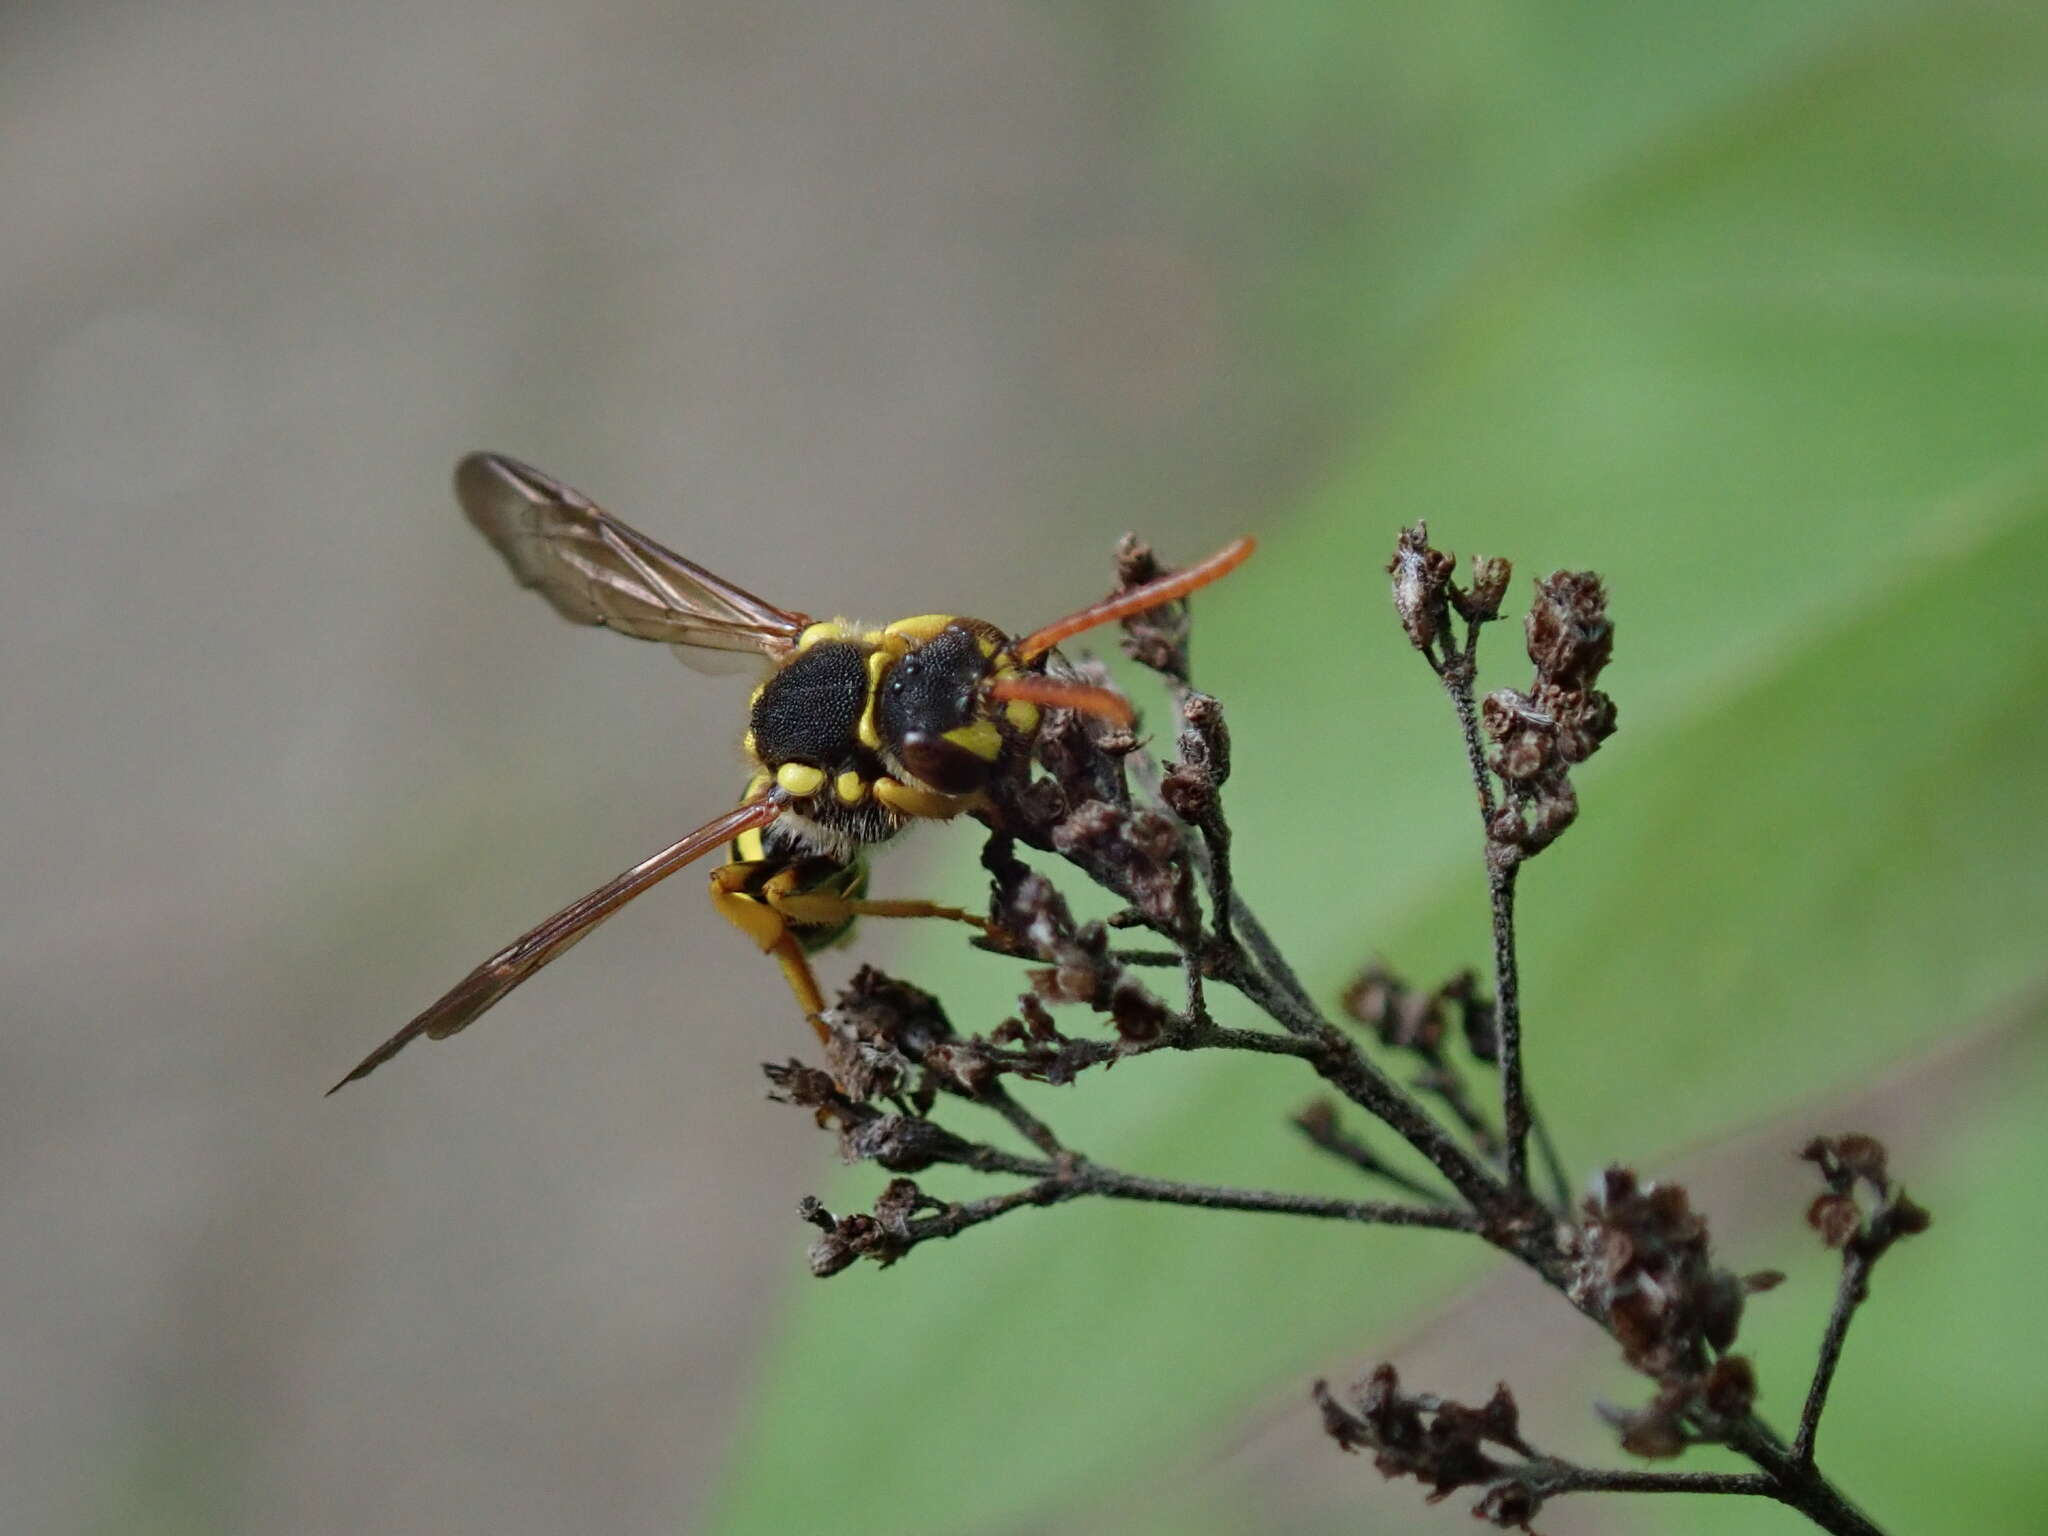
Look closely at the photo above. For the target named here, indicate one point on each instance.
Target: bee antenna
(1059, 693)
(1151, 594)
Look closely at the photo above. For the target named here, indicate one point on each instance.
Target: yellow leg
(926, 804)
(751, 917)
(770, 929)
(796, 969)
(829, 909)
(770, 913)
(818, 909)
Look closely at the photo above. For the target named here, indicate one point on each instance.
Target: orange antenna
(1152, 594)
(1059, 693)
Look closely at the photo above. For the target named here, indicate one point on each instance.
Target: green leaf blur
(1744, 307)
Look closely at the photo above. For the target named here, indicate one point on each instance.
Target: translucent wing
(594, 569)
(470, 997)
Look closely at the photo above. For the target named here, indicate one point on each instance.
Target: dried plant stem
(1319, 1125)
(1253, 964)
(1345, 1068)
(1026, 1124)
(1162, 959)
(1799, 1485)
(1071, 1177)
(1458, 674)
(1268, 955)
(1507, 1003)
(1552, 1477)
(1553, 1165)
(1458, 671)
(1443, 1080)
(1216, 874)
(1091, 1180)
(1848, 1297)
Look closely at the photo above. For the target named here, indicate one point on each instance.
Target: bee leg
(915, 908)
(769, 929)
(828, 909)
(926, 804)
(796, 970)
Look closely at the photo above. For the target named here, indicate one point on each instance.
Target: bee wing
(466, 1001)
(594, 569)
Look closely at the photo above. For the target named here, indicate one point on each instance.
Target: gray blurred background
(881, 317)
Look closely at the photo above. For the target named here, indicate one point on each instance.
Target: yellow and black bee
(856, 732)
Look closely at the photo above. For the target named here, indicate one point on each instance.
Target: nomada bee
(855, 733)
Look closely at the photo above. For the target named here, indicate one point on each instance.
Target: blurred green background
(901, 308)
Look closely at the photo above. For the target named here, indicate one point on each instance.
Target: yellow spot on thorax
(879, 662)
(824, 629)
(800, 779)
(921, 627)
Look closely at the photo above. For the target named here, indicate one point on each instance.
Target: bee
(855, 733)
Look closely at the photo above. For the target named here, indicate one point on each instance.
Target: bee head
(934, 715)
